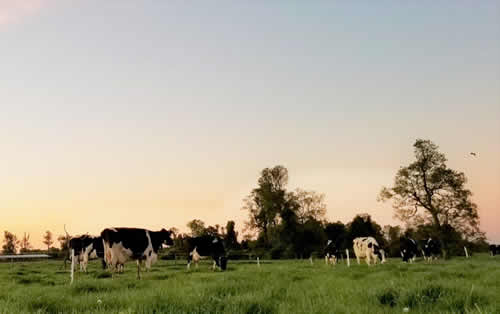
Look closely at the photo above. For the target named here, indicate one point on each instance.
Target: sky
(151, 114)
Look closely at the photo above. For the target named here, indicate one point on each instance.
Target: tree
(64, 242)
(197, 227)
(363, 226)
(25, 244)
(337, 232)
(427, 191)
(392, 235)
(47, 239)
(266, 202)
(311, 205)
(10, 243)
(231, 236)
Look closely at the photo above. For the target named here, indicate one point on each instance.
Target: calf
(408, 249)
(122, 244)
(367, 247)
(204, 246)
(431, 249)
(86, 247)
(332, 253)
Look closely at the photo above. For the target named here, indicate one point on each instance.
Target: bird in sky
(473, 154)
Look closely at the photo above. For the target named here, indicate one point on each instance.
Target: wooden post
(311, 259)
(348, 262)
(466, 253)
(72, 265)
(258, 261)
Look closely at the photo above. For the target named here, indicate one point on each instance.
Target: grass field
(455, 286)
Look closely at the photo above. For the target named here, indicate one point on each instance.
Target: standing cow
(408, 248)
(431, 249)
(86, 247)
(368, 248)
(122, 244)
(207, 246)
(332, 253)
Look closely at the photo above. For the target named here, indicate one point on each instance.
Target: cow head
(166, 237)
(378, 252)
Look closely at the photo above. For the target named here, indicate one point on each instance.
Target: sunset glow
(114, 115)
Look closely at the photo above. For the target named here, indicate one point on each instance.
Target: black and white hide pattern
(431, 249)
(86, 247)
(408, 248)
(332, 253)
(123, 244)
(207, 246)
(368, 248)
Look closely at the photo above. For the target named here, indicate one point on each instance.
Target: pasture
(292, 286)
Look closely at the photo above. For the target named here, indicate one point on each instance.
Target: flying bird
(473, 154)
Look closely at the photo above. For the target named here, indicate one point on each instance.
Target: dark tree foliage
(337, 232)
(231, 236)
(427, 191)
(64, 241)
(10, 243)
(267, 202)
(197, 227)
(392, 236)
(363, 226)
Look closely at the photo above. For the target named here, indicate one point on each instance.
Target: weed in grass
(388, 297)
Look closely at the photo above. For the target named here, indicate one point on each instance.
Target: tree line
(427, 196)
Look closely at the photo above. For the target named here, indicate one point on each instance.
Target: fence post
(258, 261)
(466, 253)
(72, 265)
(311, 259)
(348, 262)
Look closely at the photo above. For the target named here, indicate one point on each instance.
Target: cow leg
(326, 259)
(357, 258)
(213, 267)
(138, 269)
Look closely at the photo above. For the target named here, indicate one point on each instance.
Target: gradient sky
(115, 113)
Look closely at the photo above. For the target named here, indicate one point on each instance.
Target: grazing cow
(332, 253)
(408, 248)
(367, 247)
(431, 249)
(494, 249)
(204, 246)
(86, 247)
(122, 244)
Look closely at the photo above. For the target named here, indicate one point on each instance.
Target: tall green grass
(455, 286)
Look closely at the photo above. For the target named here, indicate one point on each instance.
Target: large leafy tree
(311, 205)
(427, 191)
(267, 202)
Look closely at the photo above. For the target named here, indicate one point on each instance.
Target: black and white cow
(86, 247)
(408, 248)
(367, 247)
(332, 253)
(122, 244)
(494, 249)
(431, 249)
(207, 246)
